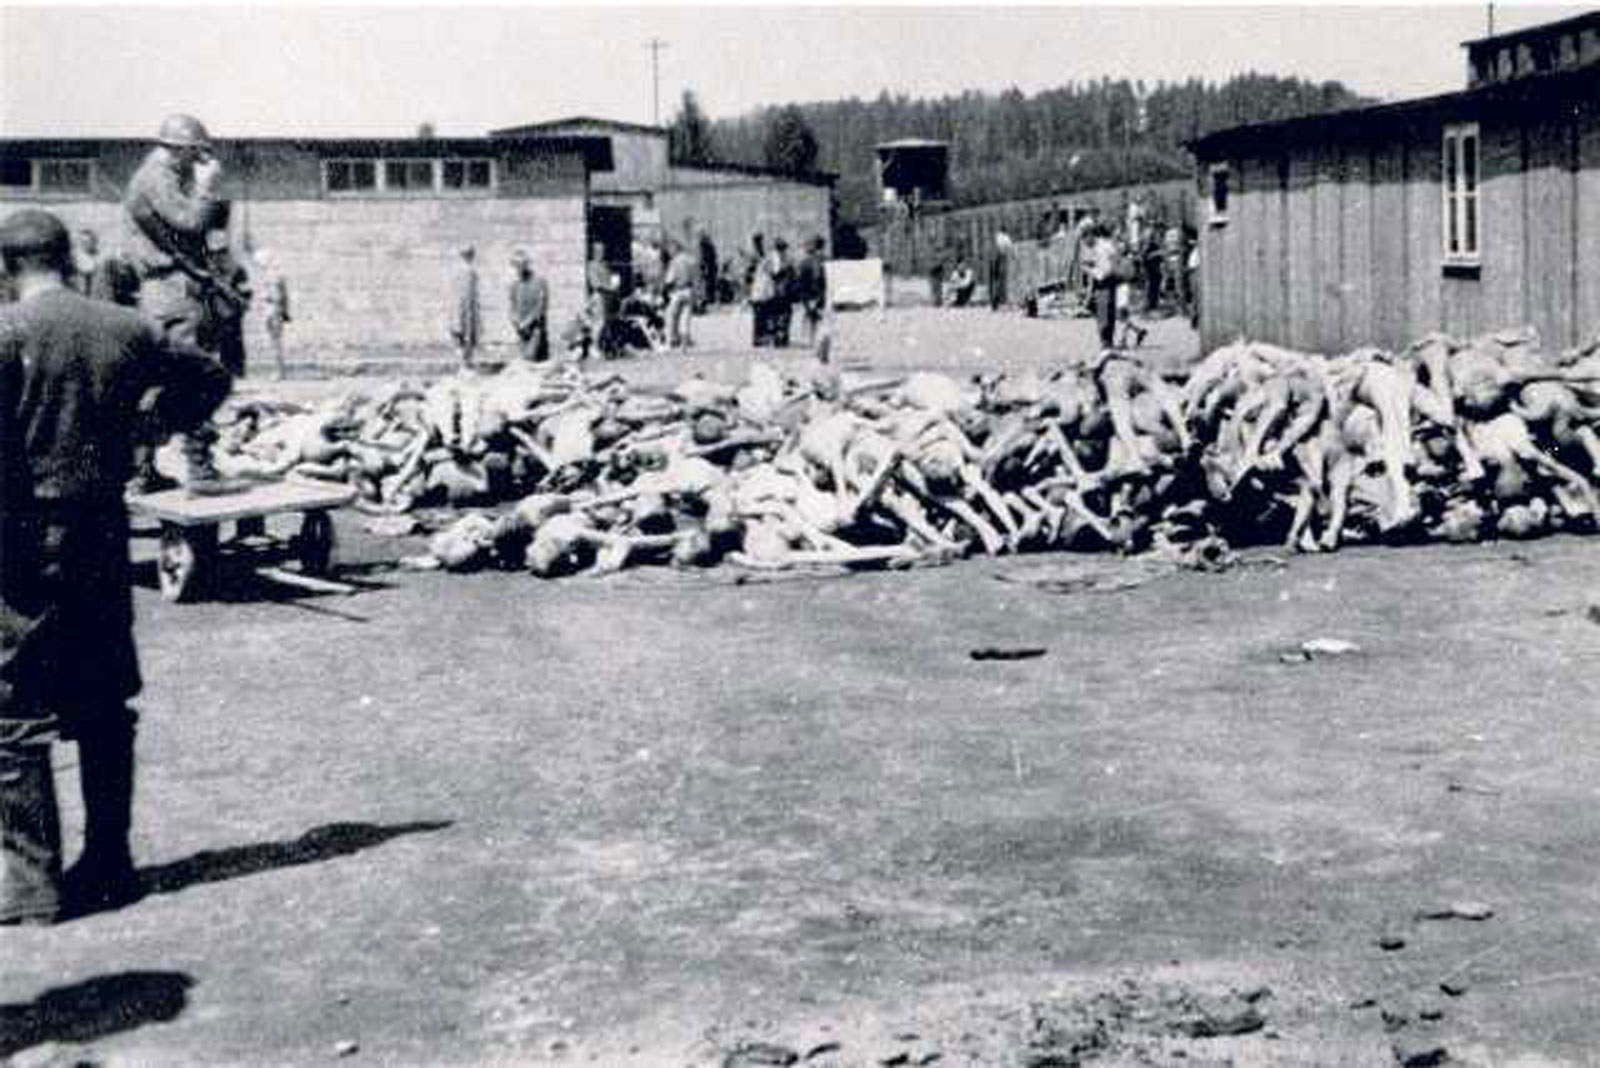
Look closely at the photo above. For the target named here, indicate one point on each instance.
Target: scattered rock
(822, 1049)
(895, 1060)
(1453, 987)
(1256, 994)
(1328, 647)
(1420, 1054)
(1221, 1022)
(1593, 613)
(1394, 1021)
(1431, 1013)
(346, 1048)
(1391, 942)
(907, 1036)
(1459, 910)
(756, 1054)
(1364, 1003)
(1295, 657)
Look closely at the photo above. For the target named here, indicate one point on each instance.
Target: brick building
(366, 230)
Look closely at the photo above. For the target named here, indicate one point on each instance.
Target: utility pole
(655, 45)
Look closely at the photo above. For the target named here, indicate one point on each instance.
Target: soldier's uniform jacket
(162, 200)
(84, 365)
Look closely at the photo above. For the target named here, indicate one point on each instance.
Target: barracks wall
(372, 271)
(1336, 241)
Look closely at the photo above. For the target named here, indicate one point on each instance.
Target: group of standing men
(779, 285)
(527, 301)
(83, 384)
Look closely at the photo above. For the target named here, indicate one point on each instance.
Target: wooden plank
(1355, 219)
(1551, 249)
(178, 507)
(1301, 267)
(1266, 319)
(1586, 315)
(1328, 336)
(1424, 226)
(1388, 241)
(1503, 206)
(1218, 318)
(1246, 242)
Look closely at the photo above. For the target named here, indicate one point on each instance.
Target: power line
(655, 46)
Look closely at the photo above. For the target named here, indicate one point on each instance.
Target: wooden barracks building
(367, 230)
(1471, 211)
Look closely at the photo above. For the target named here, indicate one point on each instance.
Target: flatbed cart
(192, 550)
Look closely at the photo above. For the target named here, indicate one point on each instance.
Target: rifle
(165, 238)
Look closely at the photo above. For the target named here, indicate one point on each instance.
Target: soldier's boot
(30, 837)
(200, 476)
(104, 876)
(146, 479)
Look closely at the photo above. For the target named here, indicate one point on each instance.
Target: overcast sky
(367, 70)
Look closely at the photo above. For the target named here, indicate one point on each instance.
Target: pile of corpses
(566, 472)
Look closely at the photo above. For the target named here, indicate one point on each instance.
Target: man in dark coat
(84, 366)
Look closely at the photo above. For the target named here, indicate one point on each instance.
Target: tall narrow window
(1219, 194)
(1460, 181)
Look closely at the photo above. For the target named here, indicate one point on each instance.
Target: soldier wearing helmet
(172, 202)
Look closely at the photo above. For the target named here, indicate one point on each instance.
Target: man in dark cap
(79, 369)
(172, 201)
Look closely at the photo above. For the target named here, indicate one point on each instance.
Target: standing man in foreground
(172, 202)
(84, 365)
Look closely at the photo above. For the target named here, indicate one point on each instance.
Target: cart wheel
(182, 561)
(314, 546)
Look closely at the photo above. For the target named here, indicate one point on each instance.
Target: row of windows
(46, 176)
(402, 176)
(1458, 184)
(339, 176)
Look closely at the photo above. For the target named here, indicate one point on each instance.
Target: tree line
(1008, 145)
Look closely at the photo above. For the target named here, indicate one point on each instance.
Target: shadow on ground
(93, 1009)
(316, 845)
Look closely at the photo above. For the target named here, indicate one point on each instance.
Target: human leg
(30, 836)
(104, 876)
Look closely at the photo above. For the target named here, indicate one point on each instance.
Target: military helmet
(183, 131)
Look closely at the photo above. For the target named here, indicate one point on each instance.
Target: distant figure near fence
(999, 270)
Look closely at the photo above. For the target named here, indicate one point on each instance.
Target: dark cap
(31, 232)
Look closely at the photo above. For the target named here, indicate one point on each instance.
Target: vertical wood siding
(1341, 245)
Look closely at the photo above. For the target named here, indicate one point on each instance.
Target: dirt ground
(688, 819)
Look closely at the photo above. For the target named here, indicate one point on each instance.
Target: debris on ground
(1391, 942)
(1459, 910)
(1423, 1054)
(990, 652)
(760, 1054)
(1328, 647)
